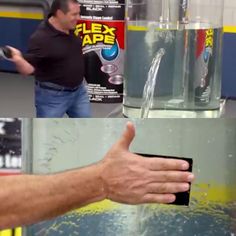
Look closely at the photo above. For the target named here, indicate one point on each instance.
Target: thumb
(127, 136)
(9, 47)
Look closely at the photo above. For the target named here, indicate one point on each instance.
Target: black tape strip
(182, 199)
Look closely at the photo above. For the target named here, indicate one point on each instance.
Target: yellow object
(11, 232)
(203, 193)
(230, 29)
(22, 15)
(227, 29)
(18, 231)
(39, 16)
(7, 232)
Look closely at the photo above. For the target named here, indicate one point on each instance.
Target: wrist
(91, 178)
(102, 180)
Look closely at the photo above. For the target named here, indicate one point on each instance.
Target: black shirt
(56, 56)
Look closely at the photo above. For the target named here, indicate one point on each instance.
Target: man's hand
(16, 54)
(22, 65)
(133, 179)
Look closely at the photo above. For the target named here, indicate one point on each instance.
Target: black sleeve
(37, 51)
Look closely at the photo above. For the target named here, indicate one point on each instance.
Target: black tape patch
(182, 199)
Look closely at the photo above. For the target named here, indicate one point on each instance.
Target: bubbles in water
(154, 35)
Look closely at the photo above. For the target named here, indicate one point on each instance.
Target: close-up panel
(60, 145)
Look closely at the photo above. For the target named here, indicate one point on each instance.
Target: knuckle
(163, 187)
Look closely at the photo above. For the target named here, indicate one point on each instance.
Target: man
(55, 57)
(121, 176)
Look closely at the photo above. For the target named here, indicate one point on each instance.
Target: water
(146, 220)
(150, 85)
(181, 85)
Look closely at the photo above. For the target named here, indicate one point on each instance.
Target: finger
(158, 198)
(171, 176)
(12, 51)
(167, 187)
(166, 164)
(127, 136)
(11, 48)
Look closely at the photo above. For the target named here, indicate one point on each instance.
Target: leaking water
(149, 88)
(187, 82)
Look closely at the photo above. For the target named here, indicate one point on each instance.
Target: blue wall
(16, 33)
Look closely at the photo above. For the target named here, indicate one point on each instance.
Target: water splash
(149, 88)
(213, 219)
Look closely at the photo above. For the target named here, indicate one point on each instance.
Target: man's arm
(27, 199)
(22, 66)
(121, 176)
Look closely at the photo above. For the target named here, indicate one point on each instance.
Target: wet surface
(213, 220)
